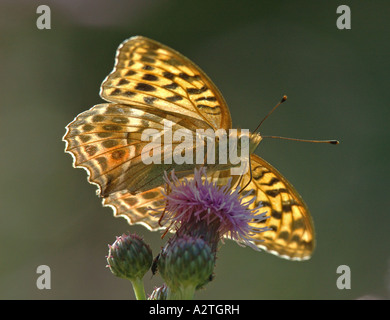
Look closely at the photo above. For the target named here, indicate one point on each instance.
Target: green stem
(138, 287)
(187, 293)
(183, 293)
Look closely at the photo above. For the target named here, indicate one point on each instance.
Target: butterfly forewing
(157, 76)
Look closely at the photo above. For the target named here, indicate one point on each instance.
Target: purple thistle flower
(199, 207)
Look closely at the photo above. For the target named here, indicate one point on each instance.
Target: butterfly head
(246, 139)
(254, 140)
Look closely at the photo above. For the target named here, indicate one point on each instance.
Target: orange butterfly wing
(292, 231)
(156, 76)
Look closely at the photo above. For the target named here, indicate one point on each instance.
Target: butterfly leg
(166, 231)
(250, 179)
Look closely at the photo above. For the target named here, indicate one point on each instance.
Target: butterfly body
(151, 88)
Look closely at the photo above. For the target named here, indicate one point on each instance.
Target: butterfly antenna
(303, 140)
(269, 113)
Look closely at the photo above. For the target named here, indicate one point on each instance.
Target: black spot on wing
(147, 67)
(144, 87)
(287, 205)
(150, 100)
(276, 214)
(171, 86)
(150, 77)
(197, 91)
(275, 192)
(215, 110)
(122, 82)
(129, 93)
(174, 98)
(168, 75)
(206, 99)
(130, 73)
(115, 92)
(98, 118)
(284, 235)
(271, 182)
(258, 176)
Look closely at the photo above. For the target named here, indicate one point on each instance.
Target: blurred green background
(255, 51)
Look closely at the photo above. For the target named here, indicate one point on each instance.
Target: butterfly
(152, 83)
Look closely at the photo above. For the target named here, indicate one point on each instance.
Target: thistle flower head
(202, 208)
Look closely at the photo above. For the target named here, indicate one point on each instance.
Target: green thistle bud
(186, 264)
(130, 258)
(159, 293)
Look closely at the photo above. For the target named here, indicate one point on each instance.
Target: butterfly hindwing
(138, 209)
(291, 233)
(107, 141)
